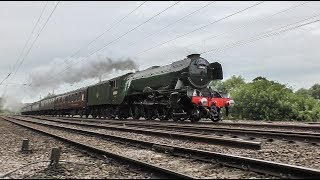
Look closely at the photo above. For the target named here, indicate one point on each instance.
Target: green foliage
(228, 85)
(218, 85)
(262, 99)
(303, 91)
(234, 82)
(259, 78)
(315, 91)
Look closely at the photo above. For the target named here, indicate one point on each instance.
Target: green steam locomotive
(177, 91)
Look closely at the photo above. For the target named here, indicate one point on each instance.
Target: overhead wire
(111, 27)
(100, 35)
(109, 43)
(5, 78)
(202, 27)
(255, 21)
(180, 19)
(43, 9)
(261, 35)
(24, 84)
(280, 29)
(37, 36)
(132, 29)
(25, 45)
(270, 35)
(240, 27)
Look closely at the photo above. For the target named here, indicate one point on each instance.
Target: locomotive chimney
(193, 56)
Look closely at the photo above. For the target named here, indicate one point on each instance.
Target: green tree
(259, 78)
(262, 99)
(303, 91)
(228, 85)
(234, 82)
(315, 91)
(218, 85)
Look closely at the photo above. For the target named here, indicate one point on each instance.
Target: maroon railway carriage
(71, 103)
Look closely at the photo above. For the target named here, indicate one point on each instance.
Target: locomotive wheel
(148, 113)
(162, 114)
(94, 114)
(195, 115)
(183, 118)
(215, 114)
(169, 114)
(175, 118)
(109, 115)
(120, 117)
(136, 112)
(215, 119)
(154, 113)
(104, 113)
(147, 117)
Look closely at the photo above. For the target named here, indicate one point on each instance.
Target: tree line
(263, 99)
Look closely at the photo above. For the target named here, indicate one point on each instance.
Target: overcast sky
(291, 57)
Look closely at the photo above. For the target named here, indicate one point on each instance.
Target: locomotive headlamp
(230, 103)
(204, 101)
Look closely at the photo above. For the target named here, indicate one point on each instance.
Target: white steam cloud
(47, 77)
(40, 83)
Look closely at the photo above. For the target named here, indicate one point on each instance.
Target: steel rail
(255, 165)
(232, 142)
(309, 126)
(284, 135)
(157, 170)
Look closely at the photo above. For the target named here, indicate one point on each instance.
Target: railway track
(232, 142)
(312, 138)
(158, 171)
(305, 127)
(265, 167)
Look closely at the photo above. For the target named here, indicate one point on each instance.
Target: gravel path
(187, 166)
(299, 153)
(78, 165)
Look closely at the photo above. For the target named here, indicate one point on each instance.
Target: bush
(262, 99)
